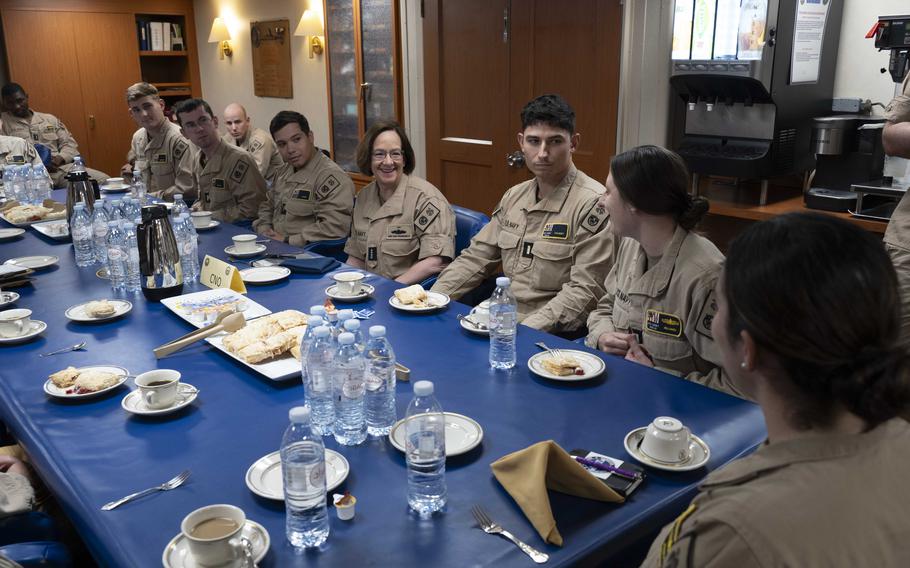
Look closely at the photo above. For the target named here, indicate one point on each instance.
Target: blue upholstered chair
(467, 224)
(30, 539)
(46, 554)
(333, 248)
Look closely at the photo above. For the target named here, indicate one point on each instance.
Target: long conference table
(91, 452)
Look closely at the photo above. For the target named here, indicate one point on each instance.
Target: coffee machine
(749, 75)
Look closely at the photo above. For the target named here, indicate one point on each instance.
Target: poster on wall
(271, 43)
(808, 33)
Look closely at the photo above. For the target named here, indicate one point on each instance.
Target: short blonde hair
(139, 90)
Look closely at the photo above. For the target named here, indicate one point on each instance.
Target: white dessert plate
(24, 223)
(177, 552)
(201, 308)
(115, 188)
(8, 298)
(57, 392)
(77, 313)
(34, 262)
(58, 230)
(212, 224)
(366, 290)
(7, 234)
(258, 249)
(133, 402)
(699, 452)
(592, 365)
(435, 301)
(463, 434)
(264, 477)
(264, 275)
(35, 329)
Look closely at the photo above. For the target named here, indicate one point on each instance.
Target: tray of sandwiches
(24, 215)
(270, 344)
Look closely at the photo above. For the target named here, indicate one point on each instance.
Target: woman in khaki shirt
(807, 325)
(403, 227)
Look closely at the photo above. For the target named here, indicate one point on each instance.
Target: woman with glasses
(403, 227)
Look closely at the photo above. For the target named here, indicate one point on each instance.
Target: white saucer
(436, 300)
(37, 328)
(7, 234)
(57, 392)
(177, 553)
(121, 188)
(77, 313)
(264, 274)
(258, 249)
(33, 262)
(212, 224)
(699, 453)
(264, 477)
(366, 290)
(592, 365)
(485, 331)
(133, 402)
(463, 434)
(8, 298)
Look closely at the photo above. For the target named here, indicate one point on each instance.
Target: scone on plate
(93, 381)
(64, 379)
(414, 294)
(562, 365)
(99, 309)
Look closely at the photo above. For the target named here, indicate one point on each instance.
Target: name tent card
(219, 274)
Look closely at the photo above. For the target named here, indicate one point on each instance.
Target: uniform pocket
(507, 240)
(399, 248)
(552, 264)
(221, 197)
(667, 349)
(299, 207)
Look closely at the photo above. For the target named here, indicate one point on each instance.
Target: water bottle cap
(178, 196)
(423, 388)
(317, 311)
(322, 331)
(503, 282)
(345, 314)
(352, 324)
(377, 331)
(299, 414)
(346, 338)
(314, 321)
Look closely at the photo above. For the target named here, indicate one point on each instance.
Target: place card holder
(218, 274)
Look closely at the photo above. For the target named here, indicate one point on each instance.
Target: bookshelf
(166, 57)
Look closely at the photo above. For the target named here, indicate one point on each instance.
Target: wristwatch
(287, 239)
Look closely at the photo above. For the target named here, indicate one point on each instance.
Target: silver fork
(553, 352)
(166, 486)
(489, 527)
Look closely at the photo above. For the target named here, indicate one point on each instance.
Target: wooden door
(485, 59)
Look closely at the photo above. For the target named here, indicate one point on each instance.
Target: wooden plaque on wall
(271, 41)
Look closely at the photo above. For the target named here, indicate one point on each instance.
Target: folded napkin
(311, 265)
(528, 473)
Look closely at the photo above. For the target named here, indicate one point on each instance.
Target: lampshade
(219, 31)
(310, 25)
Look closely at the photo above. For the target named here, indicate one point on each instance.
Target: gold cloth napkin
(526, 475)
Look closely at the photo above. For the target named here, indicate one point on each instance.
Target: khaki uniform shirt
(417, 222)
(166, 162)
(42, 128)
(822, 501)
(259, 143)
(668, 306)
(313, 203)
(898, 231)
(17, 152)
(229, 183)
(557, 252)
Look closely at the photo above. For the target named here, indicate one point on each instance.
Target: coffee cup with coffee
(15, 323)
(348, 283)
(213, 534)
(201, 219)
(244, 243)
(666, 440)
(158, 388)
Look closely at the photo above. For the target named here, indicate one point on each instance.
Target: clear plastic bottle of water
(306, 340)
(179, 206)
(138, 190)
(190, 257)
(29, 185)
(303, 470)
(100, 219)
(347, 379)
(133, 278)
(83, 237)
(116, 212)
(318, 310)
(43, 184)
(503, 325)
(17, 184)
(78, 165)
(116, 256)
(425, 451)
(317, 387)
(379, 398)
(352, 326)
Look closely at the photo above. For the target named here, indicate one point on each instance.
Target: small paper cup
(345, 512)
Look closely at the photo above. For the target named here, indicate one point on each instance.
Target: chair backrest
(467, 224)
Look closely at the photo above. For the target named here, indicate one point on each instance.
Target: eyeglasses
(380, 155)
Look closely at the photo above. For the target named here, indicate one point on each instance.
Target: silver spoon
(76, 347)
(471, 322)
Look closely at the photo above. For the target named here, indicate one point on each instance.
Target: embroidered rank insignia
(555, 231)
(669, 554)
(257, 144)
(160, 159)
(706, 316)
(50, 128)
(327, 187)
(426, 216)
(663, 323)
(595, 218)
(526, 250)
(35, 136)
(239, 171)
(19, 159)
(180, 147)
(303, 194)
(218, 183)
(399, 232)
(371, 253)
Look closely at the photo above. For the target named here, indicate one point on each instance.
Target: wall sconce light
(310, 25)
(220, 34)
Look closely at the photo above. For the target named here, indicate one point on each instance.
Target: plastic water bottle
(17, 185)
(347, 392)
(116, 256)
(306, 340)
(130, 210)
(317, 387)
(100, 219)
(303, 470)
(179, 206)
(503, 325)
(83, 236)
(116, 212)
(379, 379)
(78, 165)
(352, 326)
(133, 282)
(189, 257)
(425, 451)
(318, 310)
(42, 181)
(29, 185)
(138, 190)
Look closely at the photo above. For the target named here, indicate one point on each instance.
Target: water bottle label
(426, 444)
(353, 386)
(134, 257)
(317, 475)
(114, 253)
(101, 232)
(187, 248)
(373, 382)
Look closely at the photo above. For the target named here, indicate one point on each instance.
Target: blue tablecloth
(93, 451)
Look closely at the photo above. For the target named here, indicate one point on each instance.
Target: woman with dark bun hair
(807, 325)
(660, 292)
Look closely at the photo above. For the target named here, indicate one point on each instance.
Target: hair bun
(696, 209)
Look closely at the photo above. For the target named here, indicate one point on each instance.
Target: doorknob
(91, 121)
(516, 159)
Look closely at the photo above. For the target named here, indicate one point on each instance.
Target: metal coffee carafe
(159, 259)
(80, 188)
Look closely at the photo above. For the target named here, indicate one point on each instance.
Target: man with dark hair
(548, 232)
(256, 141)
(158, 152)
(41, 128)
(227, 177)
(311, 198)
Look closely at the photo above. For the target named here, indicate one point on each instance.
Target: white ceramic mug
(158, 388)
(218, 550)
(666, 440)
(244, 243)
(481, 312)
(14, 323)
(348, 283)
(201, 219)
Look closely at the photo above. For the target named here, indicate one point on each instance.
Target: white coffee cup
(201, 219)
(14, 323)
(158, 388)
(666, 440)
(225, 544)
(244, 243)
(348, 283)
(481, 312)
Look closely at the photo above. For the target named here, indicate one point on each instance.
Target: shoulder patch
(239, 171)
(328, 186)
(257, 144)
(595, 219)
(426, 216)
(706, 316)
(180, 148)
